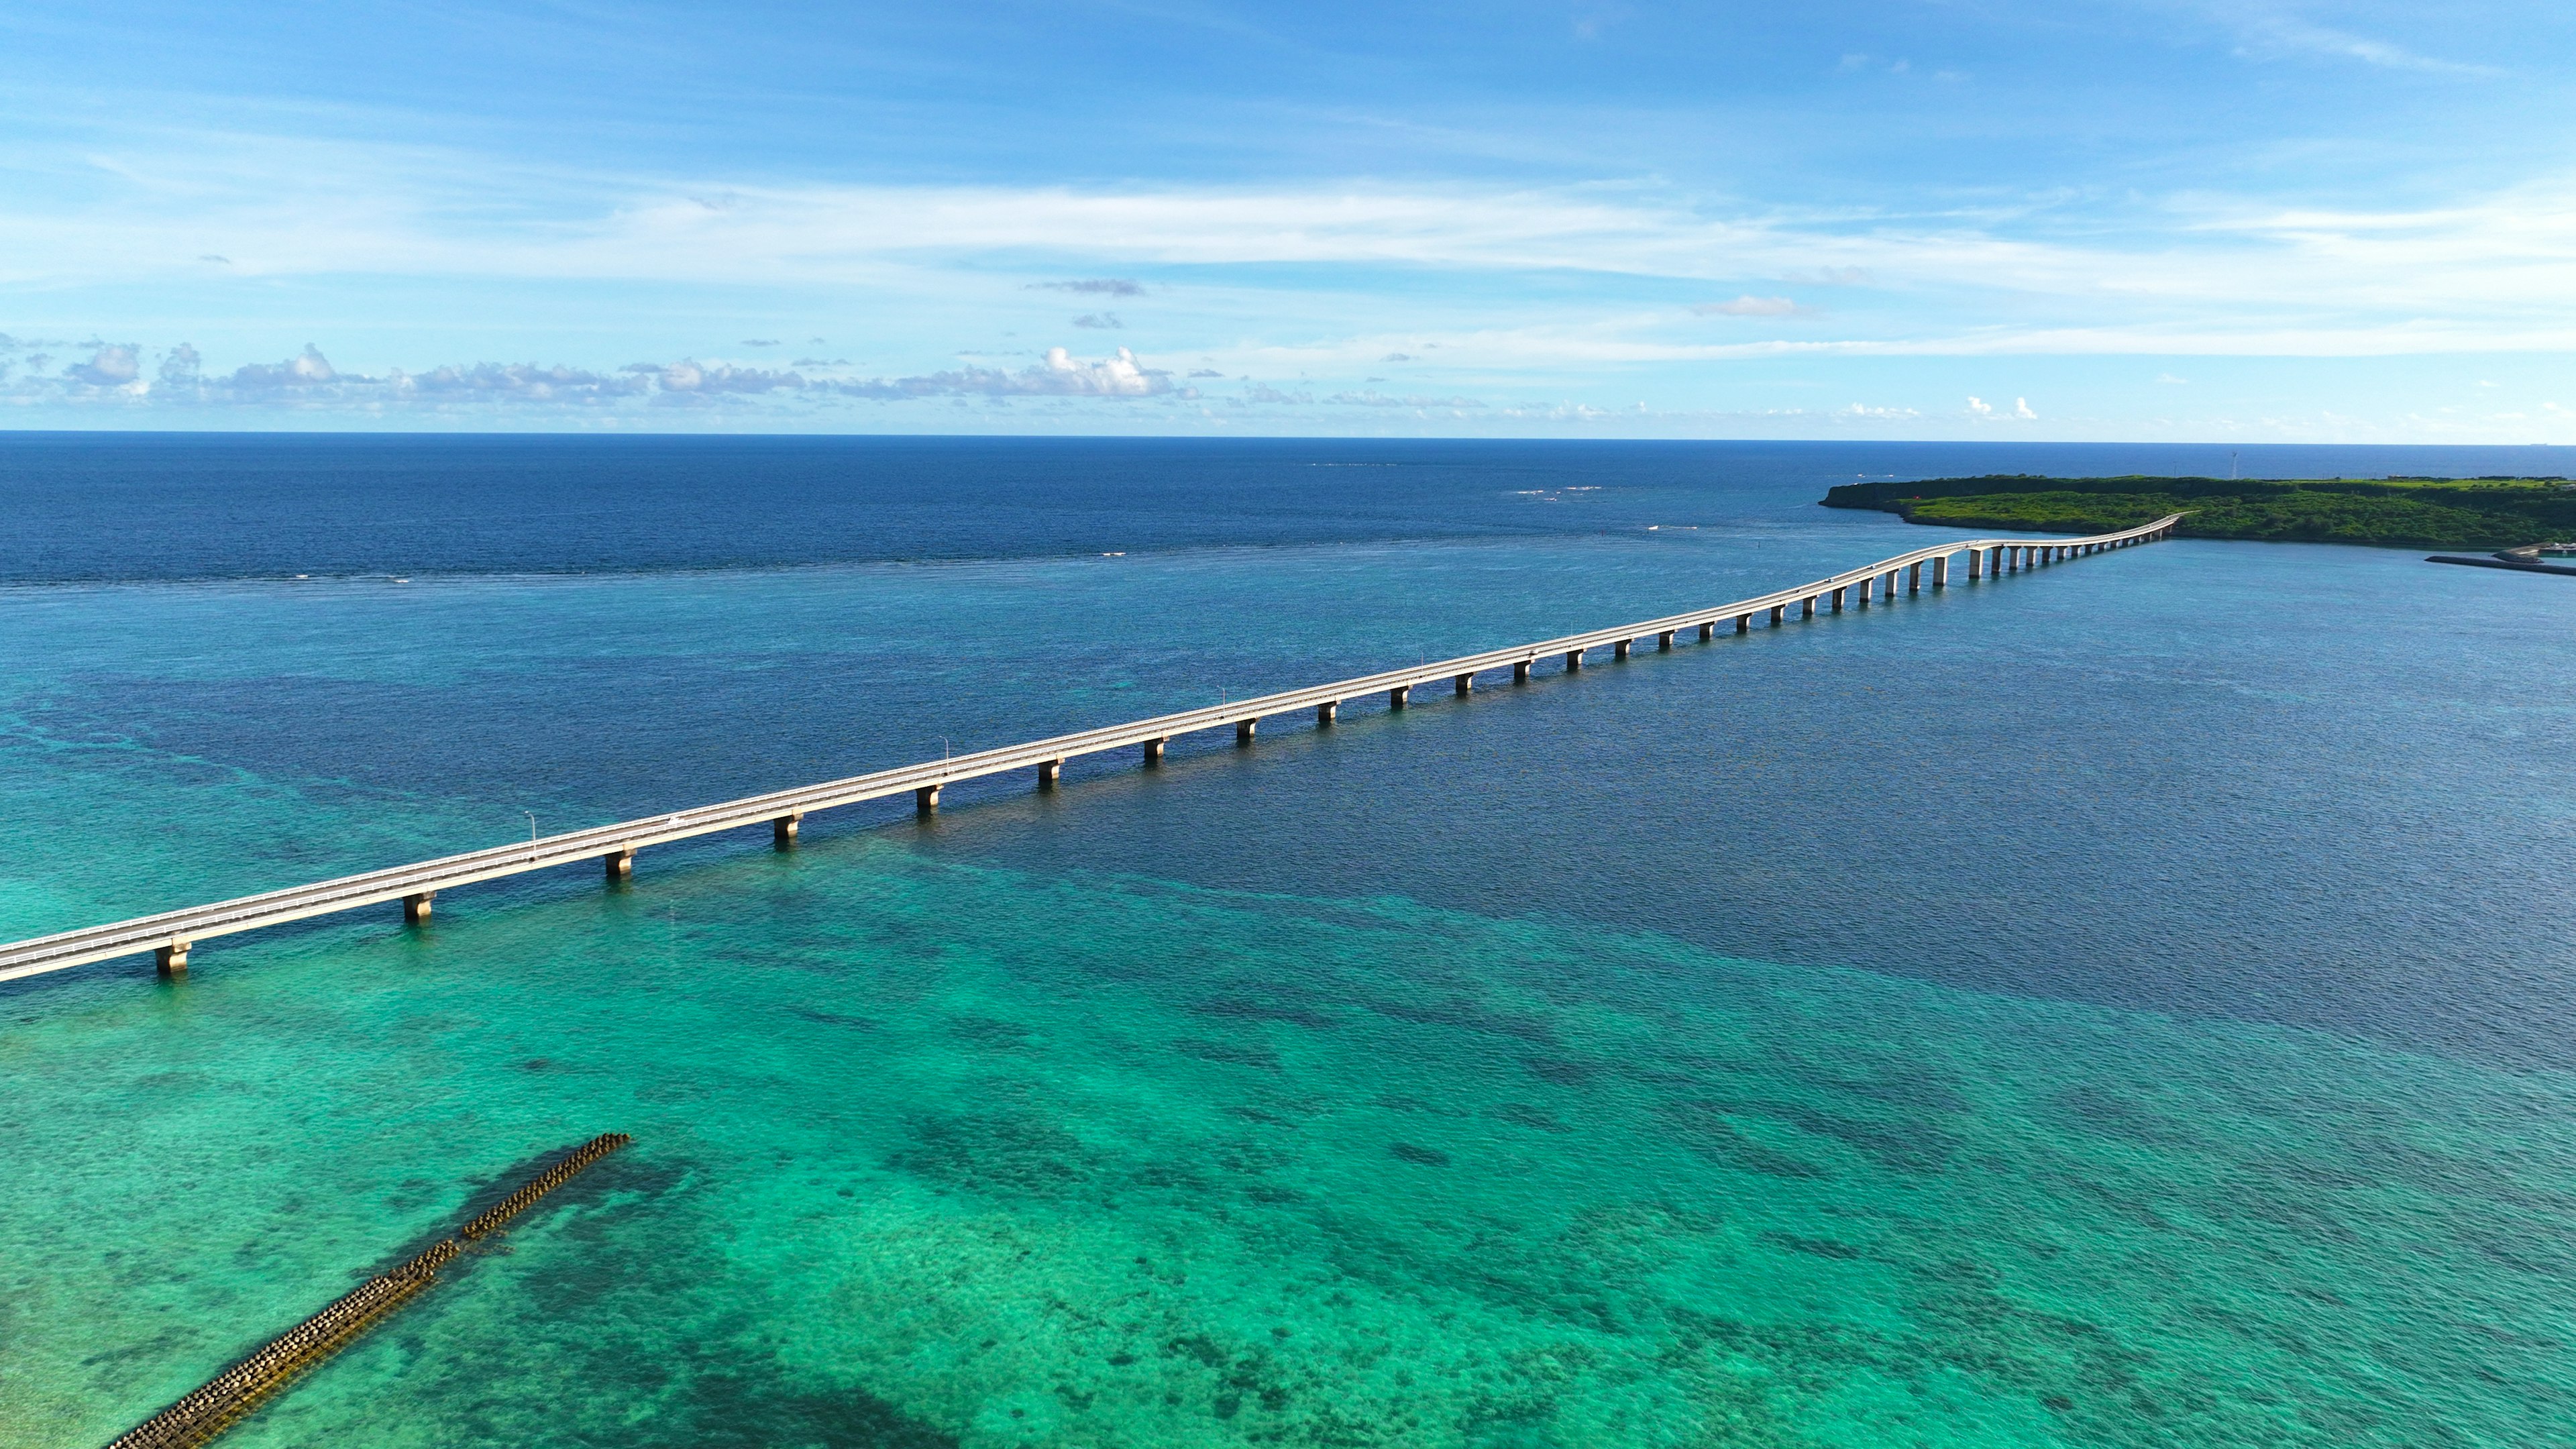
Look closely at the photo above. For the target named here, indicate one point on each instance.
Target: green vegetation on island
(2483, 513)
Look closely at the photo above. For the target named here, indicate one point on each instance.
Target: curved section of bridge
(170, 934)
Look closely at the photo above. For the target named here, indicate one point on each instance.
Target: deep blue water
(2183, 930)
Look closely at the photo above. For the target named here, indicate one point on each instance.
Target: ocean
(2125, 1004)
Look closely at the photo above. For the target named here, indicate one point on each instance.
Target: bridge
(169, 935)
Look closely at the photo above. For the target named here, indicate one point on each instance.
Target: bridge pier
(782, 831)
(1049, 772)
(1838, 599)
(1914, 578)
(170, 962)
(1807, 607)
(1620, 650)
(619, 863)
(1941, 572)
(1976, 556)
(1744, 623)
(1778, 613)
(1399, 697)
(1707, 630)
(1154, 750)
(416, 907)
(1520, 672)
(1466, 685)
(925, 800)
(1573, 660)
(1664, 640)
(1327, 712)
(1860, 593)
(1243, 730)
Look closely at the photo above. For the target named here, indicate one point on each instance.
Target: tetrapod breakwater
(229, 1396)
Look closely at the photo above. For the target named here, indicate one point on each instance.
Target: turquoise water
(2122, 1005)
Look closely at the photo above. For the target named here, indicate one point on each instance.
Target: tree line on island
(2392, 512)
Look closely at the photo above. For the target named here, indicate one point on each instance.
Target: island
(2486, 513)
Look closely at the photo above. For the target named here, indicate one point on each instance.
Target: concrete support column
(1744, 623)
(1399, 697)
(1664, 640)
(1466, 685)
(1049, 772)
(1243, 730)
(1941, 572)
(1620, 650)
(925, 800)
(1520, 672)
(1860, 593)
(416, 907)
(1807, 607)
(1573, 660)
(619, 863)
(1154, 750)
(171, 960)
(1328, 711)
(1838, 599)
(1778, 612)
(1888, 579)
(1707, 631)
(1914, 579)
(782, 831)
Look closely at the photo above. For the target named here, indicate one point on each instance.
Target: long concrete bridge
(169, 935)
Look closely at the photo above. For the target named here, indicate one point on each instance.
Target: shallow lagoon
(2118, 1006)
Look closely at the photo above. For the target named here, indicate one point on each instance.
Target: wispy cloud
(1096, 286)
(2273, 31)
(1749, 305)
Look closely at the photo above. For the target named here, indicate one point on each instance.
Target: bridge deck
(170, 933)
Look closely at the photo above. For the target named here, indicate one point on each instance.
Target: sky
(2188, 220)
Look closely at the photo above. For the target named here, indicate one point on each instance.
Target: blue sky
(2113, 219)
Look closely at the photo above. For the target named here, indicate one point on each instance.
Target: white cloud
(2495, 273)
(1371, 398)
(1058, 374)
(1752, 306)
(2274, 32)
(2021, 408)
(1098, 286)
(110, 366)
(1981, 407)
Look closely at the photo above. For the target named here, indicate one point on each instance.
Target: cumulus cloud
(1098, 320)
(112, 365)
(308, 370)
(1752, 306)
(1093, 286)
(1981, 407)
(119, 371)
(1058, 374)
(2021, 408)
(517, 381)
(694, 379)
